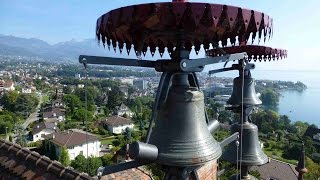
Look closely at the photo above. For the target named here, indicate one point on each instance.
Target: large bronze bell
(180, 132)
(252, 153)
(250, 96)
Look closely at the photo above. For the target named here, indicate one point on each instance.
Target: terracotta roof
(20, 163)
(71, 137)
(276, 170)
(44, 125)
(139, 173)
(117, 121)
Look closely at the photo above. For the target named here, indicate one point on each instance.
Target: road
(35, 115)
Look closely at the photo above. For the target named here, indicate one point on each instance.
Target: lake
(299, 106)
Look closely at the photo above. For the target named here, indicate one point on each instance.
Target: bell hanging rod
(84, 59)
(239, 67)
(229, 139)
(163, 65)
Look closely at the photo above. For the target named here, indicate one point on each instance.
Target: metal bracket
(246, 66)
(229, 139)
(197, 65)
(167, 65)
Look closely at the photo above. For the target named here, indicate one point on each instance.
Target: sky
(296, 24)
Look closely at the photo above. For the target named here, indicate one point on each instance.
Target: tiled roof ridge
(144, 171)
(20, 161)
(117, 119)
(281, 161)
(69, 138)
(289, 164)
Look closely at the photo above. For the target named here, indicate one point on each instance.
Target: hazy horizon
(296, 24)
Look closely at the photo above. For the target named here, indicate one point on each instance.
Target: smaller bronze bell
(252, 153)
(250, 96)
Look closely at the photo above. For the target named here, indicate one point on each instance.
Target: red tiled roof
(132, 174)
(276, 170)
(117, 121)
(20, 163)
(71, 137)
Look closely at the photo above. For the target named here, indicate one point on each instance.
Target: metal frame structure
(178, 27)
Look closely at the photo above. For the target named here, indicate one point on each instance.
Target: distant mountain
(11, 45)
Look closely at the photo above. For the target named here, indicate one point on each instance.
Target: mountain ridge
(12, 45)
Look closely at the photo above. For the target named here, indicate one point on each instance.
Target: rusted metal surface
(156, 26)
(260, 53)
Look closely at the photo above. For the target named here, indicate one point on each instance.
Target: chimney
(53, 136)
(38, 126)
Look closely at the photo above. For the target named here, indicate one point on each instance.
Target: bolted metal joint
(143, 151)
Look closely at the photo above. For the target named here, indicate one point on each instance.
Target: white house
(77, 142)
(117, 124)
(316, 136)
(41, 129)
(123, 109)
(26, 90)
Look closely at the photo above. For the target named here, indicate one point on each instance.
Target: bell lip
(232, 159)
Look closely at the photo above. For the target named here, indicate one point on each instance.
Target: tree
(25, 104)
(9, 99)
(269, 97)
(280, 134)
(72, 101)
(115, 98)
(127, 135)
(313, 169)
(94, 164)
(79, 163)
(64, 156)
(80, 115)
(89, 165)
(301, 127)
(107, 160)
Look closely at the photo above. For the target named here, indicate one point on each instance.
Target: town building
(6, 85)
(26, 90)
(51, 112)
(124, 89)
(128, 81)
(140, 84)
(117, 124)
(43, 128)
(57, 103)
(122, 110)
(77, 142)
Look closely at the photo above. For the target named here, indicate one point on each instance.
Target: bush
(102, 131)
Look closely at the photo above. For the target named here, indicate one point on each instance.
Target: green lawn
(45, 99)
(107, 140)
(277, 152)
